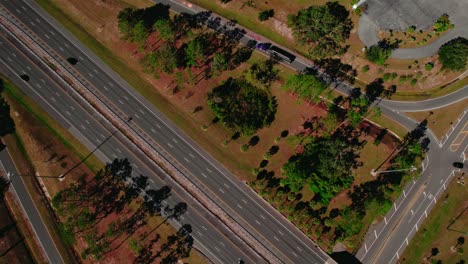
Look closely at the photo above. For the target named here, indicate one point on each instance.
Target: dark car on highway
(458, 165)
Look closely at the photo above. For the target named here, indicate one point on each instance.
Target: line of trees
(7, 124)
(85, 203)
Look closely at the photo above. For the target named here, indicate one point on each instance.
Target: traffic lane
(43, 235)
(107, 148)
(412, 220)
(430, 104)
(296, 247)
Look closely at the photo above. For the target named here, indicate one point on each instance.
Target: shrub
(378, 54)
(365, 68)
(244, 148)
(442, 24)
(429, 66)
(266, 14)
(414, 82)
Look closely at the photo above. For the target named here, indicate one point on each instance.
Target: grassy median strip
(24, 166)
(65, 137)
(17, 149)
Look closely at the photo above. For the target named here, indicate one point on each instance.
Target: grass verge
(441, 119)
(65, 137)
(441, 230)
(24, 166)
(432, 93)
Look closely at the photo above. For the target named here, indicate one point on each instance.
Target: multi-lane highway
(218, 244)
(262, 221)
(45, 240)
(259, 219)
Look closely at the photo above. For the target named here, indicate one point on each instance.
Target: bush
(429, 66)
(414, 82)
(378, 54)
(365, 68)
(241, 106)
(442, 24)
(454, 54)
(266, 14)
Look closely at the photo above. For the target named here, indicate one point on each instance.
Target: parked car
(458, 165)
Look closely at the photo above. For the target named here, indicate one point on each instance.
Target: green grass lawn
(441, 230)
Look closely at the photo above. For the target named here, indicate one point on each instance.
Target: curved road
(273, 230)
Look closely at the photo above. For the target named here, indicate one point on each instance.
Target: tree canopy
(7, 124)
(263, 72)
(325, 165)
(306, 86)
(326, 27)
(241, 106)
(378, 54)
(164, 58)
(195, 50)
(454, 54)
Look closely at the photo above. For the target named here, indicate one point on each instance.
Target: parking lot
(401, 14)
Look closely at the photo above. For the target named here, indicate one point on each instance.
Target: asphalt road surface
(218, 244)
(260, 219)
(253, 213)
(20, 191)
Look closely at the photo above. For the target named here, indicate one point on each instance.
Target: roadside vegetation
(49, 155)
(322, 28)
(8, 125)
(127, 207)
(442, 236)
(257, 149)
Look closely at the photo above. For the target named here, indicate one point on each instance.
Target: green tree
(358, 108)
(139, 33)
(7, 124)
(454, 54)
(351, 222)
(325, 165)
(127, 19)
(266, 14)
(195, 50)
(306, 86)
(378, 54)
(241, 106)
(164, 58)
(220, 63)
(263, 72)
(165, 28)
(325, 27)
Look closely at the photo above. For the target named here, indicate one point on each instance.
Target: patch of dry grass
(441, 119)
(446, 223)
